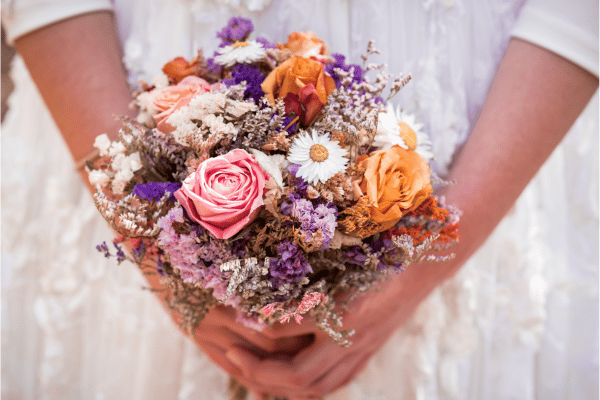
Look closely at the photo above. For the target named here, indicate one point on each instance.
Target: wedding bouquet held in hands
(273, 179)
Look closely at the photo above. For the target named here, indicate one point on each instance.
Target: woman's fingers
(279, 339)
(217, 355)
(296, 372)
(341, 374)
(261, 346)
(283, 377)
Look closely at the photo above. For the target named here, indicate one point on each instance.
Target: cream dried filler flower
(402, 129)
(240, 53)
(319, 157)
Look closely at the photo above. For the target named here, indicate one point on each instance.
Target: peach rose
(172, 98)
(293, 75)
(225, 193)
(305, 44)
(396, 181)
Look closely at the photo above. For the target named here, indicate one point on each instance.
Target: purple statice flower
(238, 247)
(266, 44)
(340, 62)
(153, 191)
(218, 281)
(237, 29)
(139, 251)
(385, 247)
(213, 67)
(322, 219)
(355, 256)
(253, 78)
(325, 219)
(159, 265)
(215, 252)
(286, 120)
(182, 249)
(103, 248)
(291, 266)
(300, 184)
(302, 209)
(120, 253)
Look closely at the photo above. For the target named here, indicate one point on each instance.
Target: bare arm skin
(76, 66)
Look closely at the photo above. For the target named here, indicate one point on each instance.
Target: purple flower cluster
(193, 257)
(213, 67)
(218, 282)
(291, 266)
(386, 246)
(237, 29)
(103, 248)
(340, 62)
(355, 256)
(183, 249)
(266, 44)
(153, 191)
(317, 224)
(253, 78)
(300, 184)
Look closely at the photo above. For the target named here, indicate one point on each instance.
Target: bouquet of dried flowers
(271, 178)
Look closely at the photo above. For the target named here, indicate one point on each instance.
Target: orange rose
(396, 181)
(293, 75)
(178, 68)
(305, 44)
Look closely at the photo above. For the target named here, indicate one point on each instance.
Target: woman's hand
(298, 361)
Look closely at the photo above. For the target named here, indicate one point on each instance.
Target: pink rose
(172, 98)
(225, 193)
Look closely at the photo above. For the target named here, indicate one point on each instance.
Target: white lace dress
(520, 321)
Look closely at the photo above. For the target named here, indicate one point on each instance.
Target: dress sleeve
(20, 17)
(567, 28)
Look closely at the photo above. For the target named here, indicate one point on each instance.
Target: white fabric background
(520, 321)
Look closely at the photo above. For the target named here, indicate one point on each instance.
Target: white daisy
(400, 128)
(319, 157)
(240, 53)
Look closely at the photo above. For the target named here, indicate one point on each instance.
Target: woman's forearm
(76, 66)
(535, 98)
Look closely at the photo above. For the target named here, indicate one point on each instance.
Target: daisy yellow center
(408, 135)
(318, 153)
(240, 44)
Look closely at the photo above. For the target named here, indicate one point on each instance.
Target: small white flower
(97, 177)
(118, 162)
(399, 128)
(239, 108)
(319, 158)
(102, 143)
(135, 162)
(120, 180)
(116, 148)
(240, 53)
(127, 138)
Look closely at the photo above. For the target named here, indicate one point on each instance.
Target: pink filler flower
(225, 193)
